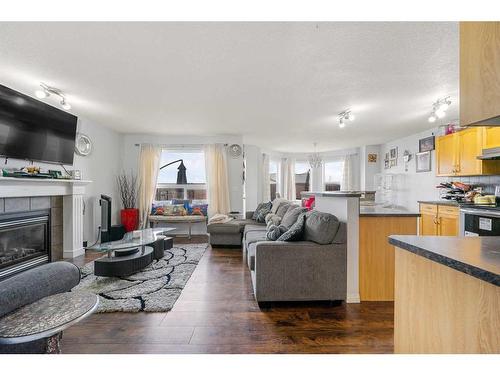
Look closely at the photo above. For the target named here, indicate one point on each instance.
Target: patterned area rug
(155, 288)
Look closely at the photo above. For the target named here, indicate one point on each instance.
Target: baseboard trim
(353, 298)
(70, 254)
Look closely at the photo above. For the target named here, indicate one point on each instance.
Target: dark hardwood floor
(217, 313)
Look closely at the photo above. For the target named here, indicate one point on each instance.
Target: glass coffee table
(132, 253)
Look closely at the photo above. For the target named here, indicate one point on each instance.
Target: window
(273, 177)
(195, 189)
(302, 177)
(332, 172)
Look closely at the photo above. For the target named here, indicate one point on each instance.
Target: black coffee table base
(124, 265)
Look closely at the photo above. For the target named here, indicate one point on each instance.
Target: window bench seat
(154, 220)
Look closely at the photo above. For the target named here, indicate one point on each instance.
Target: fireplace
(24, 241)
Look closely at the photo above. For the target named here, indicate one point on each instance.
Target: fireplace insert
(24, 241)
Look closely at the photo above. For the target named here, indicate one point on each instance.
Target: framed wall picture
(393, 153)
(423, 161)
(426, 144)
(372, 158)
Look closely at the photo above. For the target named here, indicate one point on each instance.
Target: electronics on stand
(109, 232)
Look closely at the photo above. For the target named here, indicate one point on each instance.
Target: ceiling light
(343, 116)
(65, 105)
(41, 94)
(440, 113)
(46, 91)
(439, 108)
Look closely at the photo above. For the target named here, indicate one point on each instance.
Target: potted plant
(127, 186)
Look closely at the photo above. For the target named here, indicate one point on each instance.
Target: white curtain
(149, 165)
(288, 168)
(266, 181)
(348, 178)
(217, 180)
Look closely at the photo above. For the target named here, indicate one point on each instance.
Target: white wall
(253, 176)
(101, 167)
(414, 186)
(368, 170)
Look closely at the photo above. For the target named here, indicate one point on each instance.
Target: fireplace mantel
(72, 192)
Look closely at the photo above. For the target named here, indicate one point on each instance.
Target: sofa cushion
(295, 232)
(292, 215)
(275, 231)
(320, 227)
(255, 236)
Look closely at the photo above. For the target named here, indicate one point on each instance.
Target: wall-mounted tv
(33, 130)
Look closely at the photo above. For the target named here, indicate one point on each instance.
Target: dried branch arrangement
(127, 186)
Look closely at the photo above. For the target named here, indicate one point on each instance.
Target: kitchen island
(447, 294)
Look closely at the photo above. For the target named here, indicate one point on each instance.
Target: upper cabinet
(479, 73)
(491, 136)
(456, 154)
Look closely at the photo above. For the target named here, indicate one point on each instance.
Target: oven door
(480, 222)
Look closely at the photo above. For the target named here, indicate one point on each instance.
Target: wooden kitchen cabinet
(438, 220)
(456, 154)
(428, 217)
(446, 155)
(491, 136)
(479, 73)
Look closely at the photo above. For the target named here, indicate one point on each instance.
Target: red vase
(130, 218)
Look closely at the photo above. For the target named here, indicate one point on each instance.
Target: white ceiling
(280, 85)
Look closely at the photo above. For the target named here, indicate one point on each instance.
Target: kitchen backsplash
(488, 183)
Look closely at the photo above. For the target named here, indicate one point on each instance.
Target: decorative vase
(130, 218)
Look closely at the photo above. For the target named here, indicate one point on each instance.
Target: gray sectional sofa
(313, 269)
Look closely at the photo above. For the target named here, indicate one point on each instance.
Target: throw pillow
(320, 227)
(174, 210)
(261, 216)
(282, 209)
(276, 204)
(260, 207)
(273, 219)
(291, 216)
(199, 209)
(275, 231)
(184, 202)
(296, 231)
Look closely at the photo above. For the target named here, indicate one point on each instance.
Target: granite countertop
(476, 256)
(442, 202)
(332, 193)
(385, 211)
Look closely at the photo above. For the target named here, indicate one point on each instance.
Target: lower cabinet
(376, 255)
(438, 220)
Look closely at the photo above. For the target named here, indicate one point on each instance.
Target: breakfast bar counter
(447, 294)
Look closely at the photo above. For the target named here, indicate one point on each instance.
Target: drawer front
(448, 210)
(428, 208)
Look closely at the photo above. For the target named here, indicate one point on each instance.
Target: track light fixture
(47, 90)
(439, 109)
(345, 116)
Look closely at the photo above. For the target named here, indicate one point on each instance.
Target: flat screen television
(33, 130)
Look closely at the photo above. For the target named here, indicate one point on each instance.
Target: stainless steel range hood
(490, 154)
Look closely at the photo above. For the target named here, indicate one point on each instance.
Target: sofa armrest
(301, 270)
(37, 283)
(249, 214)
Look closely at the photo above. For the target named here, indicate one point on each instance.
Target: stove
(479, 220)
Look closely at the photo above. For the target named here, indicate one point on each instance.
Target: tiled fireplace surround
(54, 203)
(64, 198)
